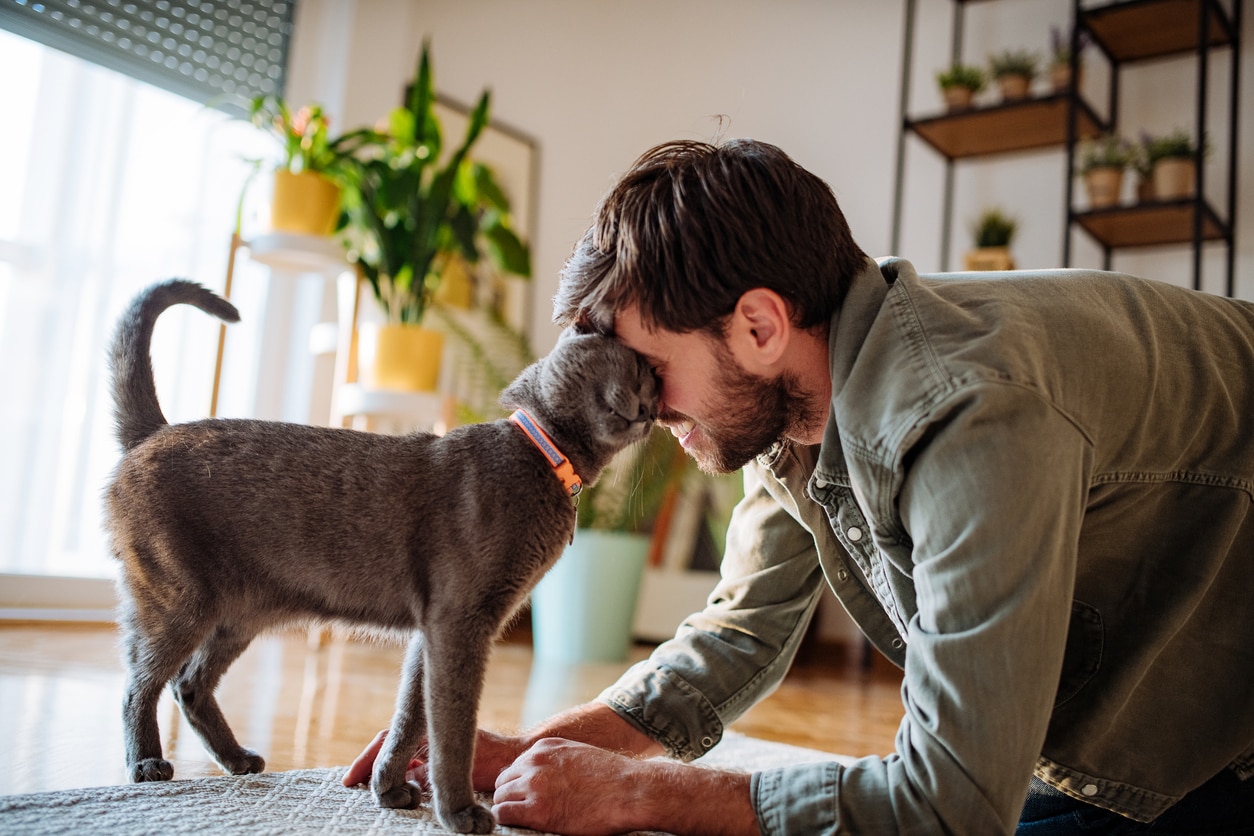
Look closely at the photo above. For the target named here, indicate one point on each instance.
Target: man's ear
(760, 330)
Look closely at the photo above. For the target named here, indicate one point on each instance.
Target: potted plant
(1171, 160)
(413, 209)
(1102, 163)
(959, 83)
(1060, 59)
(306, 197)
(583, 608)
(1014, 71)
(993, 232)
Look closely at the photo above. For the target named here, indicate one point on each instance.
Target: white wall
(598, 82)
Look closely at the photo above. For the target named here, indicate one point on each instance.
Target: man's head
(691, 227)
(722, 265)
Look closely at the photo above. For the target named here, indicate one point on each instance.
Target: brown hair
(691, 226)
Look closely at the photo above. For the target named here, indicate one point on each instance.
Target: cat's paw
(405, 796)
(245, 762)
(151, 769)
(472, 819)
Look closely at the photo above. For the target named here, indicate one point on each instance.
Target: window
(109, 184)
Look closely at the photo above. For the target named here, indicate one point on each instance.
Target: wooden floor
(304, 703)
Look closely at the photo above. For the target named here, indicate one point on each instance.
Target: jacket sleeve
(734, 652)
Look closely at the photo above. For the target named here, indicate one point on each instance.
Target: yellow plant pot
(1173, 178)
(306, 203)
(1104, 186)
(989, 258)
(408, 358)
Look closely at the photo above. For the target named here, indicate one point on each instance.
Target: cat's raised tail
(136, 411)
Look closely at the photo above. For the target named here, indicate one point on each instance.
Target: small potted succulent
(1102, 163)
(306, 197)
(959, 84)
(1014, 70)
(992, 233)
(1171, 160)
(1060, 59)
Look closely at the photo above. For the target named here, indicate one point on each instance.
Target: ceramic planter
(584, 608)
(1173, 178)
(1104, 186)
(305, 204)
(988, 258)
(407, 358)
(1060, 77)
(957, 98)
(1014, 87)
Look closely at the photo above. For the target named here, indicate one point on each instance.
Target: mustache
(670, 416)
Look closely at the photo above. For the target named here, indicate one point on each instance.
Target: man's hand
(568, 787)
(493, 752)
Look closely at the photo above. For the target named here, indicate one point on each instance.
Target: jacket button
(707, 742)
(1089, 789)
(842, 575)
(853, 533)
(820, 483)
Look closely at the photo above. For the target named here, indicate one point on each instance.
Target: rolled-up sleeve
(733, 653)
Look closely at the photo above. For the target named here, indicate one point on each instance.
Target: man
(1031, 490)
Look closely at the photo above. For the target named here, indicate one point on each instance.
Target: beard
(757, 413)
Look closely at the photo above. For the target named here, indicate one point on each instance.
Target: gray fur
(226, 528)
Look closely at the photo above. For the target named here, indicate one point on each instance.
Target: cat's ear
(521, 392)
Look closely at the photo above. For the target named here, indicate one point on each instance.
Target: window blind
(219, 52)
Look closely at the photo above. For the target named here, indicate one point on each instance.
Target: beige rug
(301, 801)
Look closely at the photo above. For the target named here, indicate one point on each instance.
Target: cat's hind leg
(409, 724)
(194, 688)
(152, 658)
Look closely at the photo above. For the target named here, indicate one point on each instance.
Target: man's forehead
(629, 328)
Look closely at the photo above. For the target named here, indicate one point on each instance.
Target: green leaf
(465, 228)
(508, 251)
(488, 190)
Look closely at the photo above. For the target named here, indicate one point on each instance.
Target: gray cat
(226, 528)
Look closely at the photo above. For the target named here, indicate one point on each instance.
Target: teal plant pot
(583, 609)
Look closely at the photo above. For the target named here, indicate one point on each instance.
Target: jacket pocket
(1083, 655)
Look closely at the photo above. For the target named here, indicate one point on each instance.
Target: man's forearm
(695, 801)
(598, 725)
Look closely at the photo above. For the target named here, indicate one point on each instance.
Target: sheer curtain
(108, 185)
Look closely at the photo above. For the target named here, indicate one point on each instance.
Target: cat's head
(590, 390)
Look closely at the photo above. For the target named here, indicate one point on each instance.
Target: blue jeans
(1224, 805)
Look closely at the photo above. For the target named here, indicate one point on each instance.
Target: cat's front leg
(457, 657)
(409, 724)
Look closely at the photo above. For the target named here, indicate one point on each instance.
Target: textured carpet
(301, 801)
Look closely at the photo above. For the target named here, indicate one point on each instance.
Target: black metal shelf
(1025, 125)
(1124, 32)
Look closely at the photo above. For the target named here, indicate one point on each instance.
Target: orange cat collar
(561, 465)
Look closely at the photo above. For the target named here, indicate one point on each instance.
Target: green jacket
(1033, 494)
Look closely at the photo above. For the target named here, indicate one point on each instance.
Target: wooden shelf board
(1150, 224)
(1144, 29)
(1016, 126)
